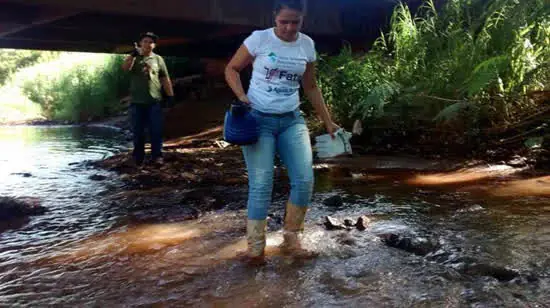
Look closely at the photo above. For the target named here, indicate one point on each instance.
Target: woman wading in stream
(282, 57)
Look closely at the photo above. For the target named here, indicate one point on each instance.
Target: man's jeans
(287, 135)
(142, 116)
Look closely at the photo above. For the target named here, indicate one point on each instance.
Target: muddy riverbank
(201, 173)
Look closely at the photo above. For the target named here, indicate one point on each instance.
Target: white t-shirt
(277, 70)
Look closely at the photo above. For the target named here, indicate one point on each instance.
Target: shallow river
(491, 251)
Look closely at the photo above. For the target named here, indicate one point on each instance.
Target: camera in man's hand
(136, 51)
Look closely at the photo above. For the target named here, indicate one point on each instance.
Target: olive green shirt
(145, 85)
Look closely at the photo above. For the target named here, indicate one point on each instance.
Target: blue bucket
(240, 127)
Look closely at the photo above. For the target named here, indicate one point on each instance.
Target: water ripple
(83, 253)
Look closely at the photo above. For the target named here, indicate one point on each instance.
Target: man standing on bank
(282, 58)
(148, 74)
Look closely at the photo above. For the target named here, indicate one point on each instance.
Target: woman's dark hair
(298, 5)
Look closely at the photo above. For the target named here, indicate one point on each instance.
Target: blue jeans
(288, 136)
(143, 115)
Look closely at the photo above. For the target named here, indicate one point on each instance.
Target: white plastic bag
(326, 147)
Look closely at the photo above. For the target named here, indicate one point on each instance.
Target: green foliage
(76, 86)
(534, 142)
(472, 61)
(346, 80)
(67, 85)
(13, 60)
(487, 74)
(449, 112)
(380, 95)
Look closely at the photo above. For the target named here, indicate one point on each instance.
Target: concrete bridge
(195, 28)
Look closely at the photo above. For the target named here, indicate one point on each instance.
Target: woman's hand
(332, 128)
(314, 95)
(244, 99)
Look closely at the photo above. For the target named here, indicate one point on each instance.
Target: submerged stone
(333, 224)
(11, 208)
(334, 201)
(362, 223)
(418, 246)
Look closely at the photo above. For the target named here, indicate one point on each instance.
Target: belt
(277, 115)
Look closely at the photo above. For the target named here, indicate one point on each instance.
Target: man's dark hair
(298, 5)
(150, 35)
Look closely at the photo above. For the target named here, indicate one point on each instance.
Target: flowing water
(491, 250)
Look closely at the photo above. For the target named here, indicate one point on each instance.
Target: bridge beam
(198, 28)
(324, 17)
(46, 16)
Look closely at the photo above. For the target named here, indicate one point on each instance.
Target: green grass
(468, 66)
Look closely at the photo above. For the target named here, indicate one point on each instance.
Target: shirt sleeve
(252, 43)
(163, 71)
(311, 51)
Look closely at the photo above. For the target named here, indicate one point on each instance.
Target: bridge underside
(206, 28)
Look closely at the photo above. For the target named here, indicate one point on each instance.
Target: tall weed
(76, 87)
(471, 62)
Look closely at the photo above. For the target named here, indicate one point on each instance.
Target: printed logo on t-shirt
(275, 73)
(281, 90)
(272, 56)
(270, 72)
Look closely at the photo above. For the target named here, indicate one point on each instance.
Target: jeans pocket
(255, 113)
(299, 117)
(261, 120)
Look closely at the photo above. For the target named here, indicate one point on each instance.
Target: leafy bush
(468, 64)
(76, 87)
(13, 60)
(68, 85)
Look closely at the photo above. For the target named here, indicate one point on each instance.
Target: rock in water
(348, 222)
(23, 174)
(362, 223)
(11, 208)
(351, 199)
(499, 273)
(167, 214)
(98, 177)
(344, 238)
(335, 201)
(517, 162)
(333, 224)
(417, 246)
(473, 208)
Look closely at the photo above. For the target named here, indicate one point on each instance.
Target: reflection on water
(48, 157)
(463, 176)
(83, 253)
(46, 154)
